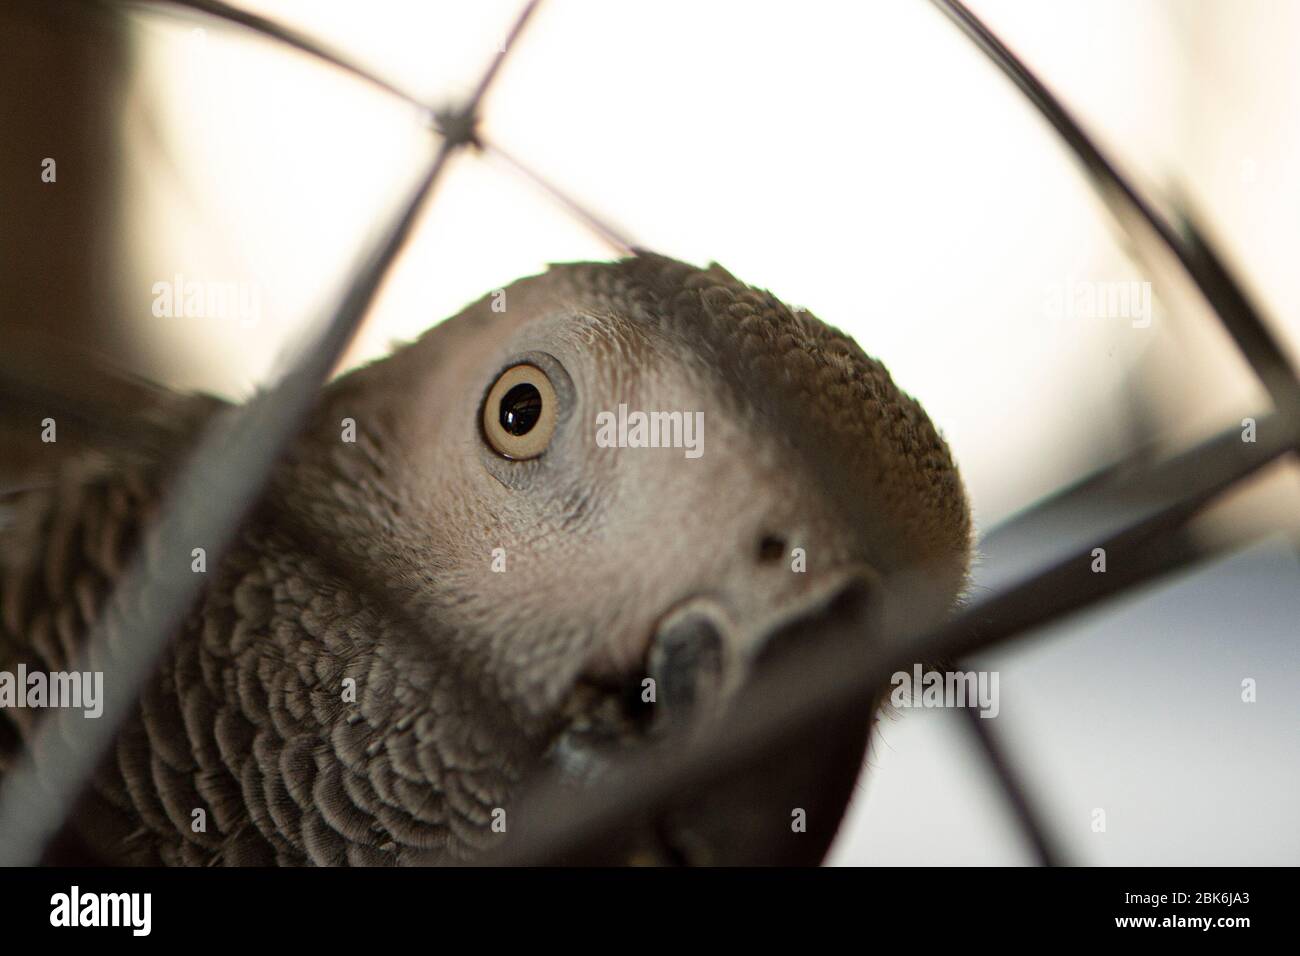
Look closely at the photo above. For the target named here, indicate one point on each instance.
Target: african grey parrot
(493, 584)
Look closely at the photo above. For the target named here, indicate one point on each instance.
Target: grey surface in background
(1135, 709)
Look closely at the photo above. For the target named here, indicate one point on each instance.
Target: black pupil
(520, 409)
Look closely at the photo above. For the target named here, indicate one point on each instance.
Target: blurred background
(861, 160)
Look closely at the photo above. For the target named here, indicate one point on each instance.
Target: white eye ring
(520, 412)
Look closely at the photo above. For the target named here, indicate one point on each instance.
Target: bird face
(641, 471)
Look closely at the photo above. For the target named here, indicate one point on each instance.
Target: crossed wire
(230, 465)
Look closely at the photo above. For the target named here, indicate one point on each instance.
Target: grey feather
(370, 561)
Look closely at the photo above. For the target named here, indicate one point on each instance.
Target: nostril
(771, 548)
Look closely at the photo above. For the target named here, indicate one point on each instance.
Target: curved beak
(784, 809)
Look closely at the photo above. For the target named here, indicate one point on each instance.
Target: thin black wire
(212, 493)
(449, 122)
(1248, 330)
(1047, 595)
(1188, 243)
(1026, 812)
(612, 236)
(555, 821)
(297, 40)
(1198, 258)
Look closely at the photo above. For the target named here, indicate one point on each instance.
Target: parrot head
(605, 491)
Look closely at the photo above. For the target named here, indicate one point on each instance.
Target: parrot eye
(519, 414)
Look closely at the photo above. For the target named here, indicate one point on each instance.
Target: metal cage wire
(232, 461)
